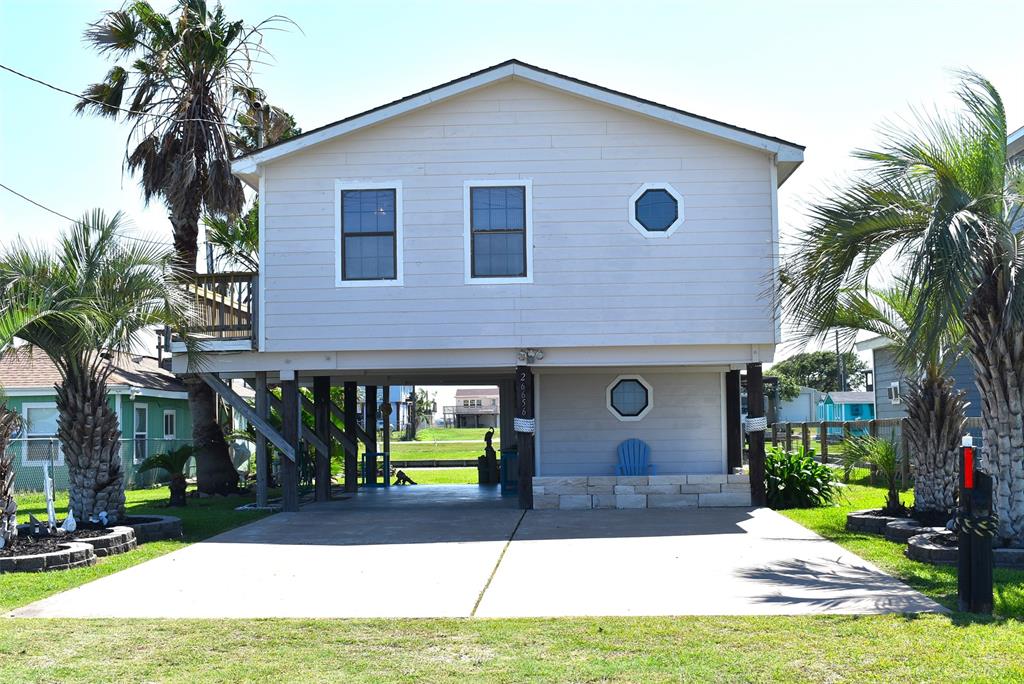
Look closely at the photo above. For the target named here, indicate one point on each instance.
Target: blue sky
(822, 74)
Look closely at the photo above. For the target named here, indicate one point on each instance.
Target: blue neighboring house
(843, 406)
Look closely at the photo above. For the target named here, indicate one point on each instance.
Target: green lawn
(425, 476)
(926, 648)
(435, 434)
(202, 518)
(420, 451)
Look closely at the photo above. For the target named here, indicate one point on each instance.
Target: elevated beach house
(604, 260)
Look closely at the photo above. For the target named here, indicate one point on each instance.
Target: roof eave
(788, 155)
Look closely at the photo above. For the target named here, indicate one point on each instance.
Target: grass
(434, 434)
(426, 451)
(431, 476)
(925, 648)
(202, 518)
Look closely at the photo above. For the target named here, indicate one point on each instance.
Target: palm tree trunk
(215, 473)
(936, 414)
(998, 357)
(89, 435)
(8, 506)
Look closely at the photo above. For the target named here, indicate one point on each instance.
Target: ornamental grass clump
(793, 479)
(885, 459)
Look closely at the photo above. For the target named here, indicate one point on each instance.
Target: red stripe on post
(968, 467)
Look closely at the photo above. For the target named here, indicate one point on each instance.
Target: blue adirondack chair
(635, 459)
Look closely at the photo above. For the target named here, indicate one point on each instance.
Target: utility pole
(840, 366)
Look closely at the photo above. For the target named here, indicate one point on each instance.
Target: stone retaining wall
(72, 554)
(642, 491)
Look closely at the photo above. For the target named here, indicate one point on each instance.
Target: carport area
(467, 552)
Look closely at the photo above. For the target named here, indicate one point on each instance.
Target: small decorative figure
(402, 479)
(69, 525)
(36, 525)
(103, 518)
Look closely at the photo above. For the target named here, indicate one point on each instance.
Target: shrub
(793, 479)
(885, 458)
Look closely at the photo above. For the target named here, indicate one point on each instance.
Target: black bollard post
(974, 534)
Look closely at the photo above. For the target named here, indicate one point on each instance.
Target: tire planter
(120, 539)
(924, 548)
(151, 528)
(903, 529)
(869, 521)
(73, 554)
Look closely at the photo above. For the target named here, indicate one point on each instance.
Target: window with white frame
(894, 392)
(40, 433)
(629, 397)
(499, 231)
(141, 420)
(368, 218)
(170, 424)
(656, 210)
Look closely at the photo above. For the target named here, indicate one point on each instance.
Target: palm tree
(936, 411)
(941, 199)
(100, 293)
(178, 79)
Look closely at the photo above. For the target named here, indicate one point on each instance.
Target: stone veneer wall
(654, 491)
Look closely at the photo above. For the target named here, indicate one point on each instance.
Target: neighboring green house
(151, 404)
(847, 406)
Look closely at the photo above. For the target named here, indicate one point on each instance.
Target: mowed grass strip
(889, 648)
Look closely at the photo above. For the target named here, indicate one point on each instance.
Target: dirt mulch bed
(28, 546)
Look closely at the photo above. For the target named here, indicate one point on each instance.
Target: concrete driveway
(450, 552)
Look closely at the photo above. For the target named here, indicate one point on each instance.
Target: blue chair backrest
(634, 457)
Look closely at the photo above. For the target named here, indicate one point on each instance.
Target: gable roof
(851, 397)
(789, 155)
(29, 368)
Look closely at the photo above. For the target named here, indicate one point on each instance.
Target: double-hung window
(498, 231)
(40, 429)
(369, 233)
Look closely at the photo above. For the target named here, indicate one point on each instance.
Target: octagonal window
(629, 397)
(657, 210)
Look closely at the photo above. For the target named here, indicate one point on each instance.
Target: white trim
(786, 152)
(876, 342)
(113, 390)
(59, 458)
(174, 414)
(353, 184)
(135, 431)
(725, 430)
(208, 345)
(776, 286)
(655, 234)
(118, 398)
(644, 412)
(261, 266)
(1015, 143)
(467, 238)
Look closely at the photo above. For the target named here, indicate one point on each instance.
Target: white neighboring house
(801, 409)
(450, 236)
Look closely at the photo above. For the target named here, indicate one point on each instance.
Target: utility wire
(68, 218)
(109, 106)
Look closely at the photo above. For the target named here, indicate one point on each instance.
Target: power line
(109, 106)
(68, 218)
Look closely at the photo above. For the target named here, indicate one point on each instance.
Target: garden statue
(69, 525)
(51, 511)
(488, 465)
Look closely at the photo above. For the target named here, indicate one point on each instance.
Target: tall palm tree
(936, 411)
(178, 80)
(100, 293)
(941, 198)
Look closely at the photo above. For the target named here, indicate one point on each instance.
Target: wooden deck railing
(225, 305)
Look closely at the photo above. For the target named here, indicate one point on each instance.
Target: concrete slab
(694, 562)
(430, 551)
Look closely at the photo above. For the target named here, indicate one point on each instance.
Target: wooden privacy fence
(820, 435)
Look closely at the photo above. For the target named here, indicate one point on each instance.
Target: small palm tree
(179, 79)
(174, 462)
(9, 421)
(936, 411)
(101, 293)
(885, 457)
(942, 201)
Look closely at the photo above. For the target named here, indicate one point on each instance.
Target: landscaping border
(73, 554)
(150, 528)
